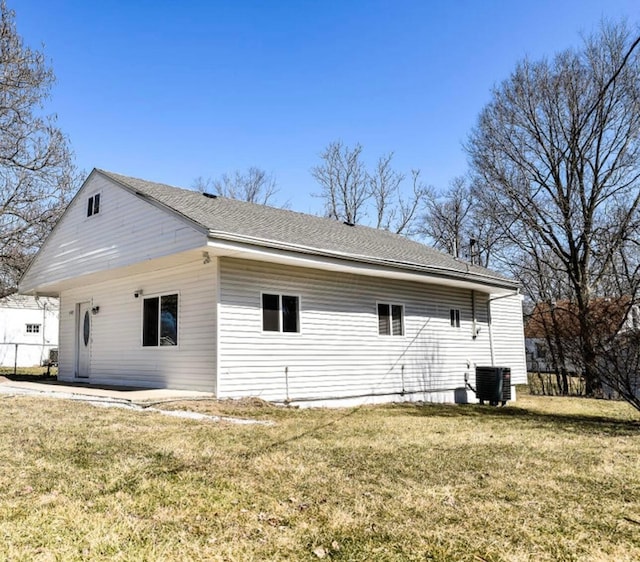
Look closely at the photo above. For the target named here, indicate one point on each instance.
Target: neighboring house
(28, 330)
(558, 322)
(538, 327)
(167, 287)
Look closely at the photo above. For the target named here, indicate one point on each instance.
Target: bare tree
(558, 150)
(344, 182)
(351, 192)
(545, 285)
(618, 365)
(254, 186)
(37, 176)
(618, 348)
(384, 185)
(455, 222)
(395, 210)
(447, 219)
(486, 240)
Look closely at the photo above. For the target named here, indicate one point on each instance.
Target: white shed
(167, 287)
(28, 330)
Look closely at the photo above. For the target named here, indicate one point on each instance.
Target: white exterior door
(83, 340)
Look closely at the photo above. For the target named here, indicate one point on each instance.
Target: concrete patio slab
(125, 394)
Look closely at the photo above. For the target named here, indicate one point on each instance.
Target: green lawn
(542, 479)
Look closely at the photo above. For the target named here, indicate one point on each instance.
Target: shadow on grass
(582, 423)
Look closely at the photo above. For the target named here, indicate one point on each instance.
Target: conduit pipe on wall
(354, 396)
(286, 385)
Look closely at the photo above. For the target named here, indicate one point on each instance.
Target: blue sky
(169, 91)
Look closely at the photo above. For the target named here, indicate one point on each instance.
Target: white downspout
(490, 322)
(44, 331)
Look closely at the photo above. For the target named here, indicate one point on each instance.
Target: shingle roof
(269, 226)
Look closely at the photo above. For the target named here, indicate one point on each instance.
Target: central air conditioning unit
(493, 385)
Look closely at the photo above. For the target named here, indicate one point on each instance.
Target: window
(454, 314)
(390, 319)
(160, 321)
(93, 205)
(280, 313)
(33, 328)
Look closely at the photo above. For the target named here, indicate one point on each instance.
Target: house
(28, 330)
(554, 328)
(172, 288)
(553, 341)
(541, 343)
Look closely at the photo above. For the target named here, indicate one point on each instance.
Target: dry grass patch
(29, 373)
(548, 479)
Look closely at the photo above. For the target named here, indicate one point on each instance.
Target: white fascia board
(301, 257)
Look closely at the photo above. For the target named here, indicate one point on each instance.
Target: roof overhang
(55, 288)
(222, 244)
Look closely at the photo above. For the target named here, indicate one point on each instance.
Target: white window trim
(160, 295)
(32, 332)
(87, 216)
(280, 332)
(390, 304)
(458, 318)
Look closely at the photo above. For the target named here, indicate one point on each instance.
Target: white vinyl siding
(117, 353)
(127, 231)
(506, 329)
(340, 353)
